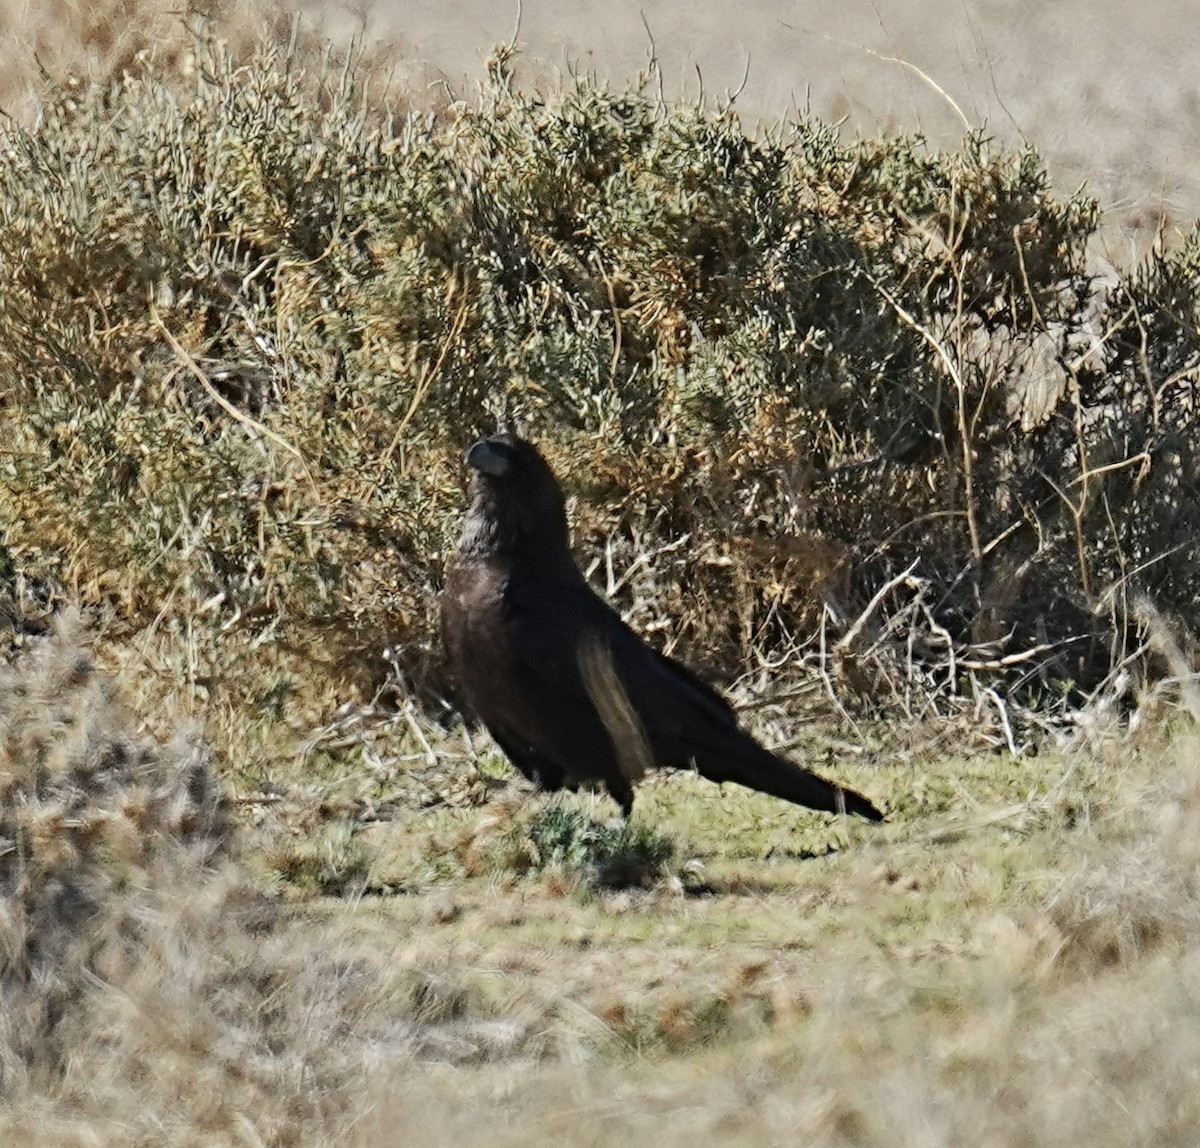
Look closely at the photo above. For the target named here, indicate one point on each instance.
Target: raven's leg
(622, 793)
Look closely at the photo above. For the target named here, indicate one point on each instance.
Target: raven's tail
(757, 768)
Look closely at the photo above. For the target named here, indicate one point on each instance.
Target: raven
(568, 691)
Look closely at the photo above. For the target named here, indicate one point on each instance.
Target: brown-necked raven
(569, 692)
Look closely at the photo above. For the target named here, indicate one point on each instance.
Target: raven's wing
(539, 673)
(619, 706)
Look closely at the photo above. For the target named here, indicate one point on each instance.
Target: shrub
(249, 324)
(89, 816)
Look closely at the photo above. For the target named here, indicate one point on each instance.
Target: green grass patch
(610, 854)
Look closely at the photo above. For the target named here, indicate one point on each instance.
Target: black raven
(568, 691)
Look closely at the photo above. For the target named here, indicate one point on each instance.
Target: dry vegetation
(850, 424)
(1020, 973)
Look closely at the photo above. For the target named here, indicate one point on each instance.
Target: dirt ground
(1108, 92)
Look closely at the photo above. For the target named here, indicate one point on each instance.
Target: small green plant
(613, 854)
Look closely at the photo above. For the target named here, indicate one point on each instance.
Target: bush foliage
(248, 323)
(89, 816)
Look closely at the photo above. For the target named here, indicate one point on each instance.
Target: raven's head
(517, 506)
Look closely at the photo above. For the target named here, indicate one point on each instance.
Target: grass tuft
(610, 854)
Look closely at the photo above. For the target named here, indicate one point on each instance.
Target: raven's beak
(486, 459)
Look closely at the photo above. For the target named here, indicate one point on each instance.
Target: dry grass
(1045, 1002)
(1019, 975)
(67, 46)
